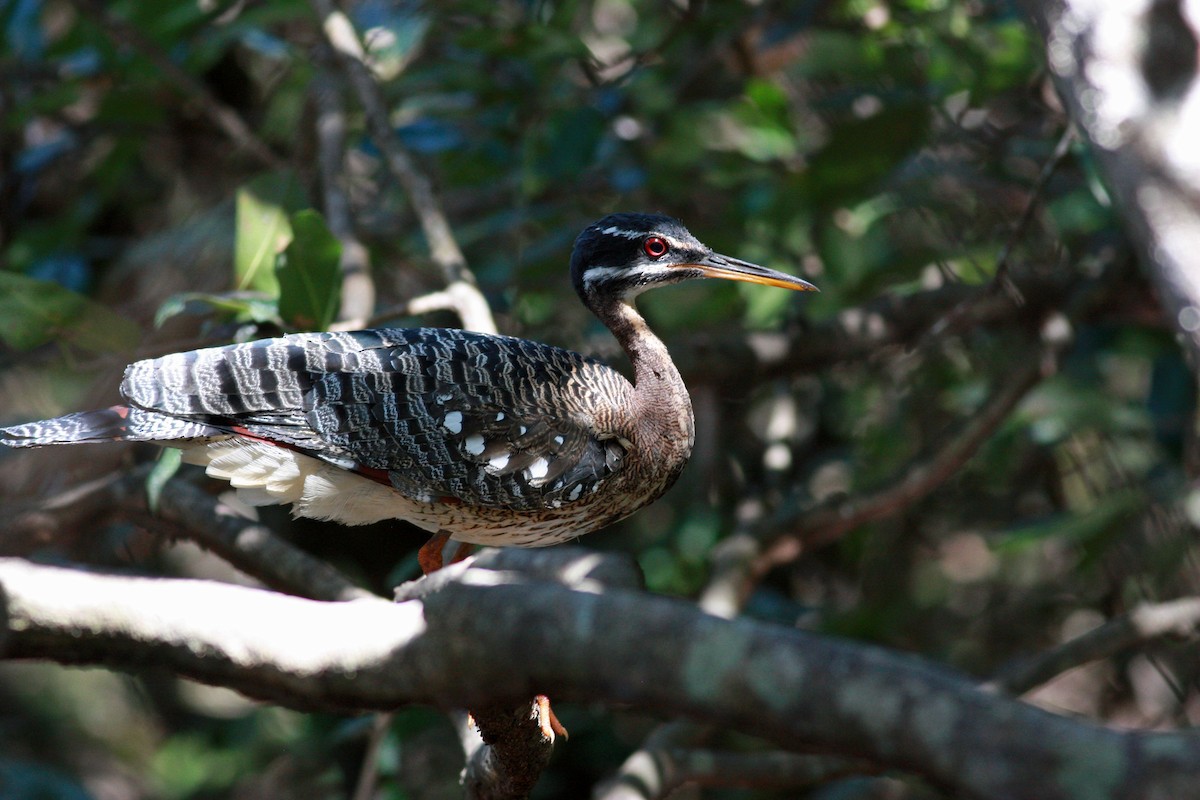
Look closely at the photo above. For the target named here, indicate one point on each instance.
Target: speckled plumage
(456, 420)
(489, 439)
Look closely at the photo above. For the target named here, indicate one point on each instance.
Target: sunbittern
(478, 438)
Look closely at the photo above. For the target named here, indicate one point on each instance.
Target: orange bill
(732, 269)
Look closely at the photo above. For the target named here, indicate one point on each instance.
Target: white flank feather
(265, 474)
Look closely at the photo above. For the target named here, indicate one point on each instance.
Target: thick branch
(251, 546)
(197, 516)
(659, 773)
(512, 754)
(493, 636)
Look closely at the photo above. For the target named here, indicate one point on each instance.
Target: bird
(477, 438)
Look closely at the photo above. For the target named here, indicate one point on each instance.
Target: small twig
(872, 330)
(368, 775)
(443, 248)
(640, 771)
(1143, 624)
(221, 115)
(596, 70)
(358, 288)
(1001, 278)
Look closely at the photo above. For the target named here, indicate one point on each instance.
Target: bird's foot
(546, 719)
(429, 557)
(463, 550)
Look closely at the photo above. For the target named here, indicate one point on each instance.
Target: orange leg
(546, 719)
(430, 554)
(463, 550)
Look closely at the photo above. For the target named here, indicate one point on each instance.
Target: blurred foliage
(884, 150)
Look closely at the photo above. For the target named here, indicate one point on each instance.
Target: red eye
(655, 247)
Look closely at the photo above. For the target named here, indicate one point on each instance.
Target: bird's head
(622, 255)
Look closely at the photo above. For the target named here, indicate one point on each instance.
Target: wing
(485, 420)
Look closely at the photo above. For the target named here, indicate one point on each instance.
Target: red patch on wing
(377, 475)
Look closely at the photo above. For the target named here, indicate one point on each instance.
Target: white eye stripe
(598, 274)
(634, 280)
(613, 230)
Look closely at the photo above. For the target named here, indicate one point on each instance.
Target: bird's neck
(661, 400)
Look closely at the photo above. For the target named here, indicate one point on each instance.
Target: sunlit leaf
(164, 469)
(240, 306)
(263, 229)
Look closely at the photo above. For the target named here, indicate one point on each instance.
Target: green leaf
(241, 306)
(166, 467)
(263, 230)
(309, 274)
(33, 312)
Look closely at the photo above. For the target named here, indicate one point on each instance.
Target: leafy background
(908, 157)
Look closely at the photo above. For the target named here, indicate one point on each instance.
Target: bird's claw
(547, 721)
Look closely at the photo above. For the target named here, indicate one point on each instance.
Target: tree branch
(918, 480)
(496, 636)
(246, 544)
(358, 288)
(249, 545)
(658, 773)
(869, 331)
(830, 522)
(510, 756)
(1127, 73)
(1143, 624)
(443, 248)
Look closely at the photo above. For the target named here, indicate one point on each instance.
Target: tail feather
(115, 424)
